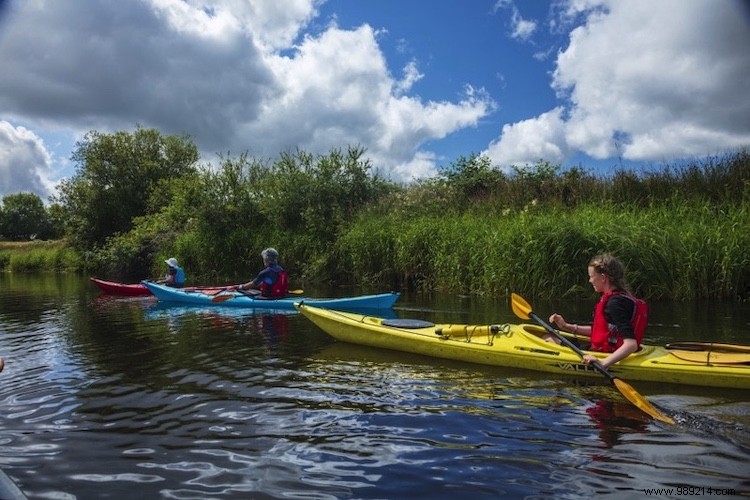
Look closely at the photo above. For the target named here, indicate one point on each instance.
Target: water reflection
(272, 324)
(107, 397)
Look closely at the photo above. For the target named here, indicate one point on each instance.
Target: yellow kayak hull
(521, 346)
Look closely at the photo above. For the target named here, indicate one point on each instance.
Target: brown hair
(608, 264)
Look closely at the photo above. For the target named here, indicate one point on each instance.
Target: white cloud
(235, 76)
(521, 28)
(656, 80)
(336, 90)
(411, 76)
(528, 141)
(24, 162)
(421, 166)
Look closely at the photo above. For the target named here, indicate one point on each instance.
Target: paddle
(223, 298)
(522, 309)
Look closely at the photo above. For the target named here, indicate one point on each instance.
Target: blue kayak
(237, 299)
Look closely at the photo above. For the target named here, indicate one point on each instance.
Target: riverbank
(39, 256)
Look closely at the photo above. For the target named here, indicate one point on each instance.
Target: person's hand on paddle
(558, 321)
(628, 346)
(588, 359)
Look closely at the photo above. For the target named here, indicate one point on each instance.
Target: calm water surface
(112, 397)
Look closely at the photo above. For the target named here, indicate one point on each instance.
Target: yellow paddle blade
(296, 292)
(639, 401)
(520, 307)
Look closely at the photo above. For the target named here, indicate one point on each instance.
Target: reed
(671, 251)
(680, 230)
(36, 256)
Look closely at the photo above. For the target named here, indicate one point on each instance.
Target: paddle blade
(520, 307)
(634, 397)
(222, 298)
(296, 292)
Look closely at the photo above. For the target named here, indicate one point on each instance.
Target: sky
(601, 84)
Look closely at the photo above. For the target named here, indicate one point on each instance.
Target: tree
(117, 174)
(474, 177)
(23, 217)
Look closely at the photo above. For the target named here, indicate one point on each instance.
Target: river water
(107, 397)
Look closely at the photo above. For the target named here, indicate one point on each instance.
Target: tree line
(139, 197)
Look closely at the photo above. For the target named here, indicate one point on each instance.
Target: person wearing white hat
(175, 276)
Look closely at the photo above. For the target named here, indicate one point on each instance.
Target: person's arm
(255, 283)
(628, 347)
(563, 325)
(248, 285)
(171, 277)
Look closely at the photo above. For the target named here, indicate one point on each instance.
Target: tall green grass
(672, 251)
(36, 256)
(680, 230)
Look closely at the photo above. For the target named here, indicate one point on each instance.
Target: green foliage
(117, 175)
(671, 251)
(473, 178)
(217, 221)
(474, 229)
(318, 194)
(127, 256)
(214, 218)
(23, 217)
(35, 256)
(305, 202)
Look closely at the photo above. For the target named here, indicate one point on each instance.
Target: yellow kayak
(522, 346)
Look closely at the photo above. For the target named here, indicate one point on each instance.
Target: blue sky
(598, 83)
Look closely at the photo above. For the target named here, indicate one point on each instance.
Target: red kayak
(138, 289)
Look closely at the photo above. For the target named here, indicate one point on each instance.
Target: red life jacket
(280, 287)
(602, 339)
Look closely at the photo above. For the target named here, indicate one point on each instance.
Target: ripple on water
(120, 397)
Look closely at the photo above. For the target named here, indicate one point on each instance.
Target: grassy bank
(672, 251)
(474, 229)
(39, 256)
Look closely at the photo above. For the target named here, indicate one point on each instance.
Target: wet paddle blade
(520, 307)
(639, 401)
(222, 298)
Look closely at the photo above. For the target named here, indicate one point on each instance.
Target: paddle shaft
(571, 345)
(247, 293)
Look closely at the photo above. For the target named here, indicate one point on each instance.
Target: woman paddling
(272, 281)
(619, 318)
